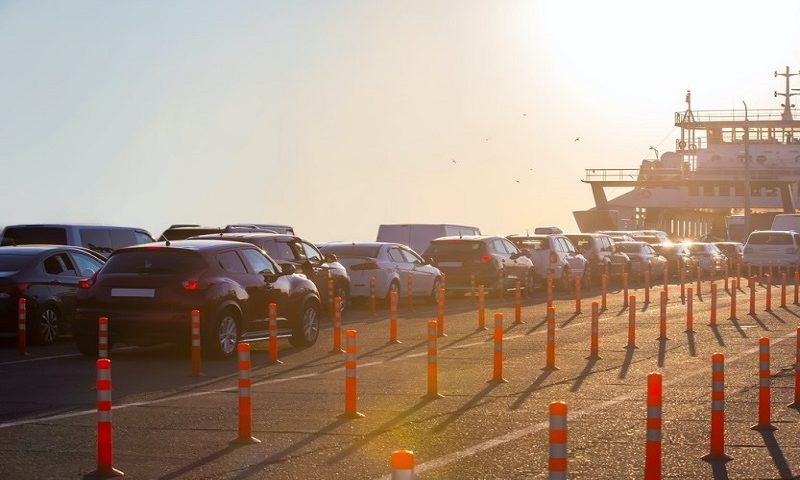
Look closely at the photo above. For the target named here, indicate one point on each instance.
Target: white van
(419, 235)
(772, 248)
(786, 221)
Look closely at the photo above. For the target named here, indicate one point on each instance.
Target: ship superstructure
(690, 192)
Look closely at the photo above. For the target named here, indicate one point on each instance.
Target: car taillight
(85, 283)
(192, 285)
(553, 257)
(486, 259)
(365, 266)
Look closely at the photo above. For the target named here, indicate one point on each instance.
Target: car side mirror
(288, 269)
(331, 257)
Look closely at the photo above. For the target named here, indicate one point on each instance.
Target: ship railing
(733, 115)
(631, 174)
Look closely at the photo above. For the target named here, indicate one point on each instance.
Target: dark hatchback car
(306, 258)
(47, 277)
(494, 261)
(732, 250)
(678, 257)
(148, 292)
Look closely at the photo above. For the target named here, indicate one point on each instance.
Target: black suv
(303, 255)
(148, 292)
(495, 262)
(182, 231)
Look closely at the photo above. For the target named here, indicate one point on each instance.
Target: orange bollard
(105, 468)
(551, 340)
(103, 352)
(647, 285)
(768, 294)
(603, 290)
(549, 289)
(764, 401)
(783, 289)
(624, 289)
(717, 436)
(663, 317)
(752, 284)
(577, 294)
(481, 309)
(689, 311)
(433, 365)
(245, 403)
(796, 402)
(796, 284)
(666, 278)
(21, 316)
(273, 334)
(393, 318)
(337, 325)
(683, 283)
(738, 272)
(713, 319)
(497, 370)
(372, 296)
(440, 312)
(350, 384)
(652, 459)
(410, 292)
(330, 296)
(102, 339)
(734, 288)
(594, 348)
(557, 462)
(518, 304)
(631, 322)
(402, 463)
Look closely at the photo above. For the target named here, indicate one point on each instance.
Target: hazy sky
(336, 116)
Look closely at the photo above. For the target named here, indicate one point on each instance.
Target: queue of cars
(72, 274)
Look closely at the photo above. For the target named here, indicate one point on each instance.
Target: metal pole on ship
(746, 174)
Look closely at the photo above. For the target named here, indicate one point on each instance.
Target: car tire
(394, 286)
(46, 326)
(530, 282)
(86, 341)
(437, 284)
(222, 340)
(306, 331)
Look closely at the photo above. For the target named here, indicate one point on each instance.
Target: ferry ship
(699, 190)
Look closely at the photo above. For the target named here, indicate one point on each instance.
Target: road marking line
(517, 434)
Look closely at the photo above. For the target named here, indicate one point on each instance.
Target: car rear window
(582, 242)
(532, 243)
(31, 235)
(454, 248)
(349, 250)
(160, 261)
(629, 247)
(765, 238)
(184, 233)
(13, 263)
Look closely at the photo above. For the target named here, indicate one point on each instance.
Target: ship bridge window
(708, 191)
(725, 190)
(739, 190)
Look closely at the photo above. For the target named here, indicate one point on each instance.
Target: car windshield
(13, 263)
(532, 243)
(767, 238)
(352, 250)
(161, 261)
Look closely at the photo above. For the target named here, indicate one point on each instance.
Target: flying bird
(485, 139)
(453, 160)
(524, 114)
(516, 181)
(576, 139)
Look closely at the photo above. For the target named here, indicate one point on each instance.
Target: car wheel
(46, 326)
(306, 331)
(564, 282)
(393, 287)
(437, 284)
(223, 338)
(529, 283)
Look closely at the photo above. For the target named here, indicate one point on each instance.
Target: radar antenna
(787, 96)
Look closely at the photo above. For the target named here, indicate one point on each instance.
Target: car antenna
(166, 240)
(459, 235)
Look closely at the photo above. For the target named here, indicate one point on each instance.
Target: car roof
(636, 242)
(226, 235)
(36, 249)
(195, 245)
(538, 236)
(359, 244)
(464, 237)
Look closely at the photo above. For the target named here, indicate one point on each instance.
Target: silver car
(643, 256)
(389, 263)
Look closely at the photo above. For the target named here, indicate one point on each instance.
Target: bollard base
(276, 362)
(593, 357)
(481, 329)
(719, 457)
(103, 473)
(689, 330)
(795, 405)
(662, 339)
(245, 441)
(197, 374)
(432, 396)
(440, 335)
(764, 428)
(351, 415)
(393, 342)
(550, 368)
(335, 351)
(520, 322)
(498, 380)
(630, 347)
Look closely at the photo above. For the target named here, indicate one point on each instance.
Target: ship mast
(787, 96)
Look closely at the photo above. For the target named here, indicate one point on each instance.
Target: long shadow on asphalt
(405, 350)
(584, 373)
(569, 320)
(715, 330)
(537, 326)
(523, 396)
(738, 327)
(463, 339)
(777, 454)
(380, 430)
(472, 403)
(777, 317)
(759, 322)
(626, 363)
(786, 309)
(286, 452)
(662, 352)
(719, 470)
(692, 346)
(199, 463)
